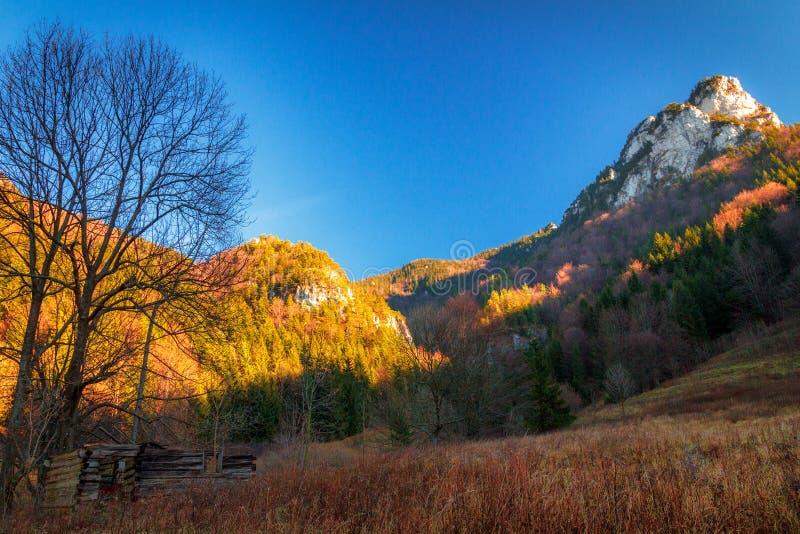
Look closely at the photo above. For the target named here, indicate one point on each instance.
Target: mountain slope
(653, 274)
(664, 149)
(684, 471)
(732, 383)
(293, 307)
(660, 153)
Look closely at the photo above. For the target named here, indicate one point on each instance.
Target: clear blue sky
(385, 131)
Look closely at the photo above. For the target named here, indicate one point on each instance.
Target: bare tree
(756, 269)
(619, 385)
(312, 398)
(35, 199)
(124, 167)
(430, 368)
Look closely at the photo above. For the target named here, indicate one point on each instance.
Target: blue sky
(386, 131)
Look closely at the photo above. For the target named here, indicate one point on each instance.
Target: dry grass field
(715, 451)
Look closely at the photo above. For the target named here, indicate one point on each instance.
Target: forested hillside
(295, 343)
(124, 174)
(288, 315)
(117, 323)
(626, 297)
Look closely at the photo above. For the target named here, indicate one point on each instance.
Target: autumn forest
(131, 313)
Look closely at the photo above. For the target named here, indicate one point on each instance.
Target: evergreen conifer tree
(548, 410)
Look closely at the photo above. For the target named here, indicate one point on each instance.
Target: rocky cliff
(668, 147)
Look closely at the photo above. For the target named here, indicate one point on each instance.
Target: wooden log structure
(105, 470)
(63, 476)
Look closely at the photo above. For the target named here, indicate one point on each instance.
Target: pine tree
(662, 250)
(548, 410)
(634, 284)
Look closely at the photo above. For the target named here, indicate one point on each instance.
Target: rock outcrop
(670, 146)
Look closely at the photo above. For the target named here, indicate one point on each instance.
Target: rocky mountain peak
(725, 95)
(670, 146)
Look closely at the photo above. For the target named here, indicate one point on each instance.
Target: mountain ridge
(658, 153)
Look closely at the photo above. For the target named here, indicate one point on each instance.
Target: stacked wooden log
(108, 466)
(160, 470)
(238, 466)
(63, 478)
(102, 470)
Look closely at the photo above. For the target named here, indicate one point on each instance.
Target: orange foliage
(568, 271)
(600, 218)
(729, 163)
(731, 213)
(636, 266)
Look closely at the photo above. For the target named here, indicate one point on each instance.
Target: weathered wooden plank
(116, 448)
(64, 496)
(177, 461)
(167, 457)
(172, 475)
(171, 457)
(180, 469)
(55, 486)
(159, 452)
(53, 482)
(238, 466)
(67, 462)
(178, 480)
(139, 471)
(67, 456)
(183, 461)
(247, 470)
(61, 490)
(158, 472)
(65, 472)
(60, 466)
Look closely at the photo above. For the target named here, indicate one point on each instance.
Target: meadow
(716, 450)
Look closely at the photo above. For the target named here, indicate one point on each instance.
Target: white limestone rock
(314, 295)
(725, 95)
(670, 146)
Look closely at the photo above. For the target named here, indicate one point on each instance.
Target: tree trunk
(137, 412)
(11, 455)
(437, 414)
(69, 425)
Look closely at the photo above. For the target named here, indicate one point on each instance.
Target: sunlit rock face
(725, 95)
(312, 296)
(671, 145)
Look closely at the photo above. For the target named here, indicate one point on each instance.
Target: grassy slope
(716, 450)
(761, 376)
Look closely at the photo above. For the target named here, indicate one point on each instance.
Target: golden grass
(729, 462)
(658, 475)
